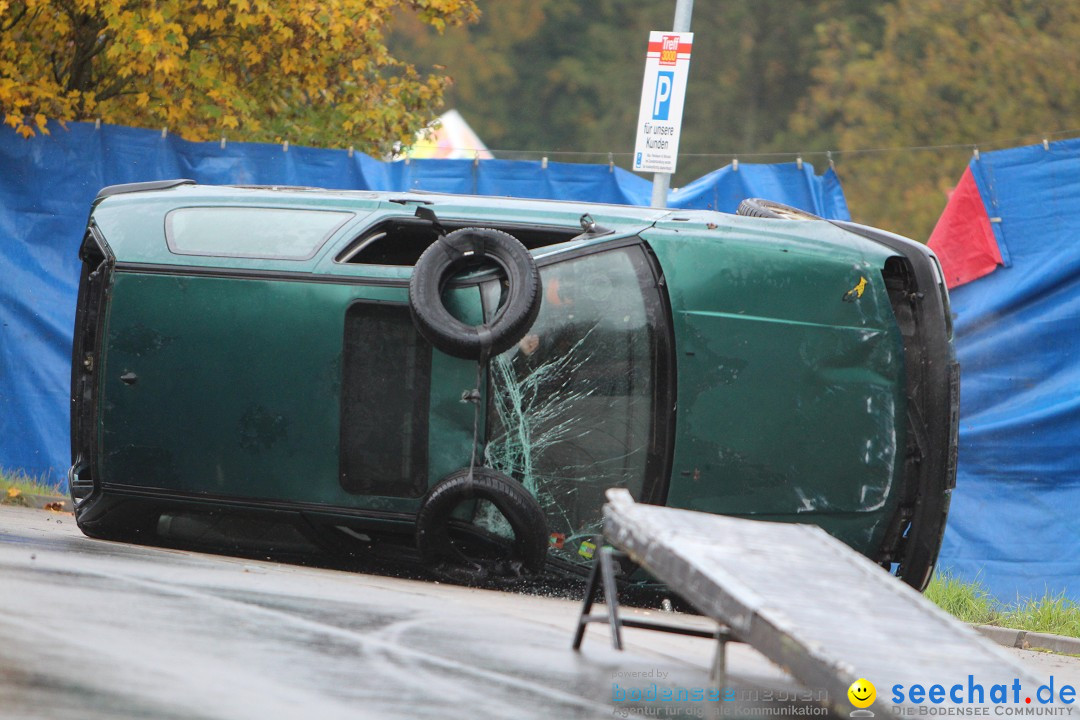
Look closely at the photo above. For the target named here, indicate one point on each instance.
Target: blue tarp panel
(725, 188)
(1014, 522)
(47, 185)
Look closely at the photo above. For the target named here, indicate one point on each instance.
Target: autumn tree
(946, 72)
(772, 78)
(263, 70)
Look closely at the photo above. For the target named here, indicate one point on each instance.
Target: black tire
(449, 255)
(434, 522)
(128, 529)
(757, 207)
(923, 542)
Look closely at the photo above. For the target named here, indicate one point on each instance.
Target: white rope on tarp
(798, 157)
(827, 154)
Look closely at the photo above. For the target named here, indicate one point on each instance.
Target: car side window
(386, 380)
(268, 233)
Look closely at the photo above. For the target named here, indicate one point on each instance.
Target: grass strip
(972, 602)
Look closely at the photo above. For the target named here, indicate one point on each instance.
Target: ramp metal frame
(602, 576)
(806, 601)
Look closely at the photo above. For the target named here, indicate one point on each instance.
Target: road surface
(92, 629)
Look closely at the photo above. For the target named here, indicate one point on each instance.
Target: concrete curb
(1029, 640)
(40, 502)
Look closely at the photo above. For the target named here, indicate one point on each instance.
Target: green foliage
(561, 75)
(970, 602)
(945, 72)
(1053, 614)
(973, 603)
(773, 76)
(23, 484)
(768, 79)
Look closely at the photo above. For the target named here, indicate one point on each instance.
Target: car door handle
(129, 378)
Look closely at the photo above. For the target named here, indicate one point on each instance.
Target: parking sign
(667, 66)
(662, 96)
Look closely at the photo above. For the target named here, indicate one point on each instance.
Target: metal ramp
(809, 603)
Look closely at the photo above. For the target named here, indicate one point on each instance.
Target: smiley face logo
(862, 693)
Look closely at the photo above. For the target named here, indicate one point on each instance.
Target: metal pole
(662, 181)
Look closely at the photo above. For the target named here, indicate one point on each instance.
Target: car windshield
(571, 407)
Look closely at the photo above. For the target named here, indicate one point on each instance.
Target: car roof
(188, 193)
(132, 218)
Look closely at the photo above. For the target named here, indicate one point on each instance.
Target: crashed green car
(467, 375)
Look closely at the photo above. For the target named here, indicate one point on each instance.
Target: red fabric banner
(963, 239)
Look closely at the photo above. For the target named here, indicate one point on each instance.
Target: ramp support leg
(601, 575)
(719, 667)
(611, 595)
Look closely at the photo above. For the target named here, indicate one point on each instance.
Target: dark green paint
(242, 401)
(791, 400)
(788, 396)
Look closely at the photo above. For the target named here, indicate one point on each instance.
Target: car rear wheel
(463, 552)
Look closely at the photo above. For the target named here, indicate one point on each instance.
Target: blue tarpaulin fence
(1014, 523)
(48, 182)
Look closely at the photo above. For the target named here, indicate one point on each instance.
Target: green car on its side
(252, 352)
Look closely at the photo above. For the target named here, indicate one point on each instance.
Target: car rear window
(270, 233)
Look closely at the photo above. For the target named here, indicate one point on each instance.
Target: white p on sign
(662, 96)
(667, 67)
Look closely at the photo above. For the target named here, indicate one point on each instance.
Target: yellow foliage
(315, 72)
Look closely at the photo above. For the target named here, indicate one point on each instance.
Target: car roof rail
(111, 190)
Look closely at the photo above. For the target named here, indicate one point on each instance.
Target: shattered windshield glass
(571, 406)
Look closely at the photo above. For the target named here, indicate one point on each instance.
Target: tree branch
(115, 89)
(15, 20)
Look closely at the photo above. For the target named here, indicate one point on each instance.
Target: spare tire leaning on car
(439, 552)
(759, 207)
(473, 248)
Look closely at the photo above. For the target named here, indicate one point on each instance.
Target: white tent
(448, 137)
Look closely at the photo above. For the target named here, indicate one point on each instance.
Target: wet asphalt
(93, 629)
